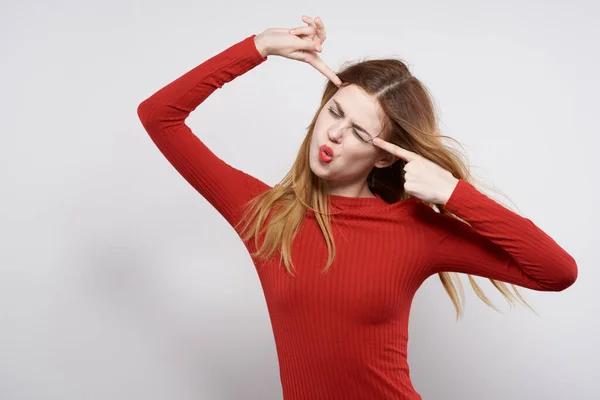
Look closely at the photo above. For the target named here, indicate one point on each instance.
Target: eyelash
(339, 116)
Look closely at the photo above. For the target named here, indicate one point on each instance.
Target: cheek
(360, 153)
(318, 126)
(318, 133)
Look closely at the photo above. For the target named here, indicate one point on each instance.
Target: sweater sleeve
(163, 116)
(499, 244)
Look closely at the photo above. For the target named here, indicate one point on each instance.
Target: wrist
(452, 184)
(261, 47)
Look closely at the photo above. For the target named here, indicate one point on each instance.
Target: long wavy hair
(409, 121)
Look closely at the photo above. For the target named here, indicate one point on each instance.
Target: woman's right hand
(302, 45)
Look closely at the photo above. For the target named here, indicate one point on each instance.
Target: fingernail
(292, 31)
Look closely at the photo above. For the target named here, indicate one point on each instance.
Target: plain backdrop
(118, 281)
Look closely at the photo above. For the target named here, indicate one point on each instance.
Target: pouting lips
(325, 154)
(327, 150)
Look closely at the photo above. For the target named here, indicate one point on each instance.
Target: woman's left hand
(423, 178)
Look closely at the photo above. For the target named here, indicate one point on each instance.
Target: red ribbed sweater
(343, 335)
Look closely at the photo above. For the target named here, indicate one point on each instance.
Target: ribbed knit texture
(343, 335)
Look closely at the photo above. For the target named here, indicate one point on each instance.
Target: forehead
(360, 106)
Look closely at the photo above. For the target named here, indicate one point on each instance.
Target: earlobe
(386, 161)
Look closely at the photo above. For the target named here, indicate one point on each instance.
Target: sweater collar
(344, 202)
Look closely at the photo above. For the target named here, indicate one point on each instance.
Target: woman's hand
(301, 43)
(423, 178)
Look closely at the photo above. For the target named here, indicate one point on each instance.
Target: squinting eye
(360, 137)
(353, 130)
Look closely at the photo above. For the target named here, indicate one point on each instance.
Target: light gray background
(118, 281)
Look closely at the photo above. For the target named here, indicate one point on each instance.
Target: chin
(316, 168)
(320, 170)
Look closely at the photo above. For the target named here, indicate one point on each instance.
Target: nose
(336, 132)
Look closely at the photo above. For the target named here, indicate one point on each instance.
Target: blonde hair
(410, 122)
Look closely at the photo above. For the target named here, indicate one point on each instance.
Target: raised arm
(163, 116)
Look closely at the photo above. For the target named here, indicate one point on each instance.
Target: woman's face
(347, 124)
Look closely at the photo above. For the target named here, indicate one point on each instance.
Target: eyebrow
(354, 124)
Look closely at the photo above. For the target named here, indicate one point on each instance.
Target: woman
(374, 196)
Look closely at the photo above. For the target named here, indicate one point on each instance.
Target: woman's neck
(356, 191)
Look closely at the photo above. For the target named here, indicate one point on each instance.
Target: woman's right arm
(163, 116)
(164, 113)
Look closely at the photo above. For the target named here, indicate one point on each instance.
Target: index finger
(396, 150)
(325, 70)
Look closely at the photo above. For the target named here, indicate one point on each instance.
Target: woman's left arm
(499, 244)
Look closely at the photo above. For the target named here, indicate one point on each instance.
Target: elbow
(143, 111)
(566, 275)
(148, 112)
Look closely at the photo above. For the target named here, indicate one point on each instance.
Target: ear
(386, 160)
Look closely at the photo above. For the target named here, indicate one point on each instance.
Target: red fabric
(343, 334)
